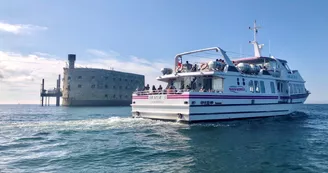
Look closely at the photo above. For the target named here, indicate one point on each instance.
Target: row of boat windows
(296, 88)
(241, 82)
(259, 87)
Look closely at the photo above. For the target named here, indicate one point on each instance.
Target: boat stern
(161, 106)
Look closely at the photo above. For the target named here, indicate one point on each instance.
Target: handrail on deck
(171, 91)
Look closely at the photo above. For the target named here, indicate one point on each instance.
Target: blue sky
(130, 35)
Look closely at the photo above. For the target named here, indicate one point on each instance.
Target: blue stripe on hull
(244, 112)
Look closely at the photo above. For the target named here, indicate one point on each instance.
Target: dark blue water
(51, 139)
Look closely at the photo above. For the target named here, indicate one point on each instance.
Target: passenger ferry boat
(252, 87)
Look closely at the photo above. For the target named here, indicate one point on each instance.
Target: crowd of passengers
(171, 89)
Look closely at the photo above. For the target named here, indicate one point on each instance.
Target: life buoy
(203, 66)
(178, 68)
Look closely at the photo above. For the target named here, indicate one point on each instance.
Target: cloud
(20, 69)
(140, 60)
(103, 54)
(20, 28)
(131, 64)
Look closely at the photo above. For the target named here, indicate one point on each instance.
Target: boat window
(217, 84)
(207, 83)
(262, 87)
(278, 86)
(79, 86)
(291, 88)
(286, 66)
(272, 87)
(304, 90)
(281, 87)
(299, 88)
(256, 86)
(182, 83)
(295, 89)
(238, 83)
(251, 86)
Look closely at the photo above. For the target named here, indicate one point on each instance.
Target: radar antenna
(257, 46)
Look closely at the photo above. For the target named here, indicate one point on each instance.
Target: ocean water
(106, 139)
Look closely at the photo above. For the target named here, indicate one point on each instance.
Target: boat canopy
(257, 60)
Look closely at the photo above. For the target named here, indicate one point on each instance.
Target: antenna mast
(257, 47)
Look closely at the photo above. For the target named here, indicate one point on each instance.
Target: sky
(144, 36)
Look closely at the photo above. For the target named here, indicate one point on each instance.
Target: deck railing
(157, 92)
(171, 91)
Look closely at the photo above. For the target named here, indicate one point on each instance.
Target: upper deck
(221, 65)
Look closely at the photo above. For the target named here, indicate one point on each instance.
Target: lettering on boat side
(157, 97)
(236, 89)
(207, 102)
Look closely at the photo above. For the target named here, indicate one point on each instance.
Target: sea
(107, 139)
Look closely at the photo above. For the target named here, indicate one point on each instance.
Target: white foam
(91, 124)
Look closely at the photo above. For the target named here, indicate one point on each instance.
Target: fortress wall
(99, 87)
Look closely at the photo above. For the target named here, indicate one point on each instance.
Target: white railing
(172, 91)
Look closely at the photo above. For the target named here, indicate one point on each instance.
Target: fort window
(120, 87)
(79, 86)
(106, 95)
(114, 79)
(126, 96)
(92, 77)
(114, 96)
(93, 86)
(106, 77)
(106, 86)
(114, 87)
(69, 77)
(126, 87)
(126, 80)
(120, 96)
(80, 77)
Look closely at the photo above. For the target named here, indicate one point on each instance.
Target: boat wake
(90, 124)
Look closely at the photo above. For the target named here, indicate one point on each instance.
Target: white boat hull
(191, 109)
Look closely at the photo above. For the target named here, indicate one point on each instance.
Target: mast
(257, 47)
